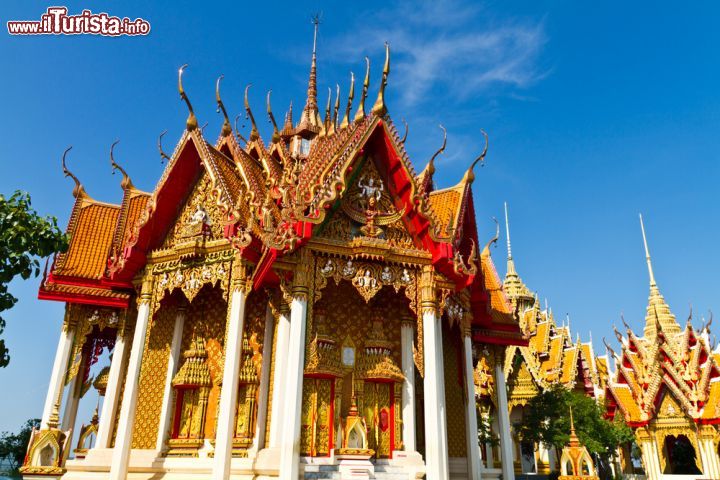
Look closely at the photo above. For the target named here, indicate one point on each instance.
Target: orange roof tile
(445, 204)
(91, 234)
(626, 401)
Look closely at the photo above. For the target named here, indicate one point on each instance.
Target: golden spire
(191, 122)
(657, 312)
(379, 108)
(276, 133)
(254, 134)
(470, 174)
(79, 190)
(351, 95)
(226, 128)
(360, 114)
(288, 125)
(310, 116)
(514, 288)
(126, 182)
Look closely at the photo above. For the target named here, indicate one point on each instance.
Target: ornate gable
(200, 216)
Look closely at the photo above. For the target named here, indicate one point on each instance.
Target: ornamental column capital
(428, 290)
(146, 290)
(240, 278)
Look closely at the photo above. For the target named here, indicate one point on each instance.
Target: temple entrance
(681, 456)
(378, 408)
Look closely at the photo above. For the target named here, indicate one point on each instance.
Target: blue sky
(595, 112)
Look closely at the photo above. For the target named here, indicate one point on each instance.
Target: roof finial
(310, 115)
(191, 122)
(495, 238)
(276, 133)
(126, 182)
(379, 108)
(470, 174)
(407, 130)
(572, 422)
(288, 126)
(79, 189)
(163, 155)
(254, 134)
(333, 123)
(328, 120)
(360, 114)
(431, 164)
(647, 254)
(351, 95)
(237, 132)
(226, 128)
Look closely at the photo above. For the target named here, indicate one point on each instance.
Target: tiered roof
(668, 359)
(273, 196)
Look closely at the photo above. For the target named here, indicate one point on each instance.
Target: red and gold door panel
(316, 430)
(379, 413)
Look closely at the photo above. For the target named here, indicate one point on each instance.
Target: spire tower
(514, 288)
(310, 118)
(658, 312)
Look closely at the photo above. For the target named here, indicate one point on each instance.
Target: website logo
(56, 21)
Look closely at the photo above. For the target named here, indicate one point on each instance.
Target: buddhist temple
(302, 306)
(666, 387)
(551, 357)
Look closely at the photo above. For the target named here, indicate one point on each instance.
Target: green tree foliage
(14, 446)
(24, 238)
(547, 420)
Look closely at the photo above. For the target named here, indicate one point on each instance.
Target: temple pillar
(651, 460)
(290, 439)
(436, 451)
(231, 369)
(126, 423)
(73, 400)
(489, 461)
(708, 453)
(279, 375)
(506, 440)
(471, 422)
(173, 365)
(57, 377)
(112, 394)
(259, 441)
(407, 334)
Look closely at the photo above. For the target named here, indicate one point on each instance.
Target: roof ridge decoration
(271, 119)
(79, 190)
(348, 107)
(226, 128)
(360, 114)
(191, 123)
(254, 134)
(379, 108)
(126, 183)
(658, 311)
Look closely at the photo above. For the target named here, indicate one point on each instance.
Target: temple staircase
(382, 472)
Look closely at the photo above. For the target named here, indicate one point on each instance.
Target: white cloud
(450, 47)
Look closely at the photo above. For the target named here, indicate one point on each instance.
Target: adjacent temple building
(303, 306)
(551, 357)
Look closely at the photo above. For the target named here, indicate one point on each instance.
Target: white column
(290, 439)
(434, 387)
(489, 463)
(172, 368)
(506, 441)
(473, 448)
(71, 404)
(57, 378)
(112, 394)
(407, 334)
(229, 392)
(126, 423)
(279, 375)
(264, 380)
